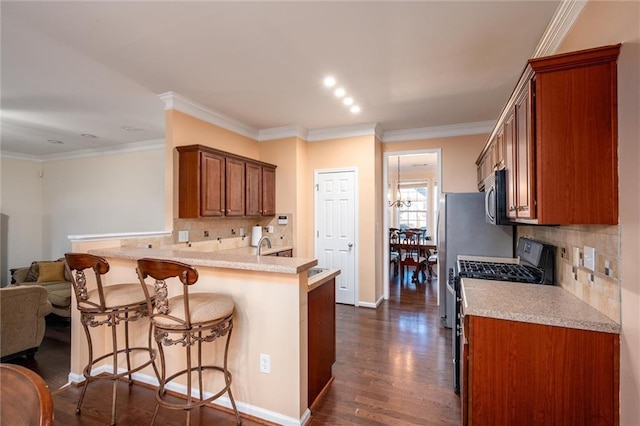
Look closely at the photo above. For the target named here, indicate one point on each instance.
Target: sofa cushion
(50, 271)
(59, 293)
(32, 274)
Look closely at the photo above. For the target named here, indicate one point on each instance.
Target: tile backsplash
(599, 288)
(224, 228)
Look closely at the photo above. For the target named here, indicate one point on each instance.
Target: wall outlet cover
(590, 258)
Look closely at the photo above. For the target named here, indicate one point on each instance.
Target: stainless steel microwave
(495, 198)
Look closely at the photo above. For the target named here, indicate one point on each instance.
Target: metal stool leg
(114, 342)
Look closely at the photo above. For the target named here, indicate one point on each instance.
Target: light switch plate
(590, 258)
(183, 236)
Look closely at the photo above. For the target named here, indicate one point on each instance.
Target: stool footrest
(205, 401)
(111, 376)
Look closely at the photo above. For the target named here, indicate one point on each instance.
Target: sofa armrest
(22, 323)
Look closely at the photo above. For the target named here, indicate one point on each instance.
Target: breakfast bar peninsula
(273, 304)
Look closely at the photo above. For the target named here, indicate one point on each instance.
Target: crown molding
(562, 21)
(92, 152)
(19, 156)
(281, 132)
(479, 127)
(181, 103)
(365, 129)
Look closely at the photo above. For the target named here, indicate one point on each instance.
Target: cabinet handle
(521, 208)
(512, 208)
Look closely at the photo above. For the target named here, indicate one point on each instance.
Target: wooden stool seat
(203, 309)
(188, 320)
(116, 296)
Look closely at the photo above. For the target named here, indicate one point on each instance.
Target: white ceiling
(70, 68)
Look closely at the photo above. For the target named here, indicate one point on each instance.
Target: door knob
(350, 245)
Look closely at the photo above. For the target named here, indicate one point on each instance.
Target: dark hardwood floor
(393, 368)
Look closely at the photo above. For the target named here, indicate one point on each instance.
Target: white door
(335, 229)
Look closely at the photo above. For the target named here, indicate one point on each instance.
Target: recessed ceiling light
(57, 142)
(348, 100)
(355, 109)
(329, 81)
(340, 92)
(130, 129)
(88, 135)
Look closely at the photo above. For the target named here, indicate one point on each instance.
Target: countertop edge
(246, 262)
(320, 279)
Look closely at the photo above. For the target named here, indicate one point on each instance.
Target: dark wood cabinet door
(321, 329)
(253, 191)
(235, 187)
(268, 191)
(525, 170)
(212, 179)
(510, 163)
(522, 373)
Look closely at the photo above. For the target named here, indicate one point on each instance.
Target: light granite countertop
(537, 304)
(243, 258)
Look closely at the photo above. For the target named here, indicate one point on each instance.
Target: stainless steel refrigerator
(463, 229)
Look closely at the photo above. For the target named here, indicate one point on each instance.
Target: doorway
(335, 224)
(414, 174)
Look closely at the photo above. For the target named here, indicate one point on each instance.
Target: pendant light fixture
(399, 203)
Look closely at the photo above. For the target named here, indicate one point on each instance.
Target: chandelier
(399, 203)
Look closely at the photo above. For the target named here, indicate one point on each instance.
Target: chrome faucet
(263, 238)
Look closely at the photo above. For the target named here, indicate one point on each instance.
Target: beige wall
(603, 23)
(459, 154)
(359, 153)
(289, 154)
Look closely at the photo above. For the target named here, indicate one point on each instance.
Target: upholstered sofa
(22, 323)
(51, 276)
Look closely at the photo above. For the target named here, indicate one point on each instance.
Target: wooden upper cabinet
(253, 189)
(268, 191)
(235, 187)
(562, 165)
(510, 162)
(201, 179)
(261, 190)
(525, 168)
(576, 139)
(214, 183)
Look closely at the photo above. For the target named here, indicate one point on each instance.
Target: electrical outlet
(206, 233)
(270, 229)
(265, 363)
(576, 256)
(183, 236)
(590, 258)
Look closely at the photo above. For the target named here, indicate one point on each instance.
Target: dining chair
(410, 256)
(25, 397)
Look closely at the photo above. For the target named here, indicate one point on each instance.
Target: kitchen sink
(315, 271)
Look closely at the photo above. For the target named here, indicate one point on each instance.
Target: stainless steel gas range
(534, 264)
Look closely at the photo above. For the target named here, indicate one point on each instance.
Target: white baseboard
(371, 305)
(222, 401)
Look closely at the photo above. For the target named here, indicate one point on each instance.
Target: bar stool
(107, 305)
(186, 319)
